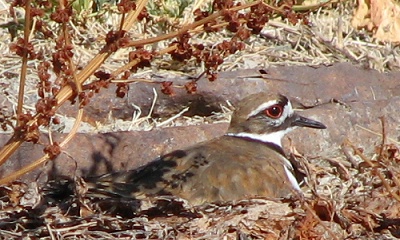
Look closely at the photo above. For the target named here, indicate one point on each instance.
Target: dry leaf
(380, 16)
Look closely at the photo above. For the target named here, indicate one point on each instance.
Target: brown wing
(244, 169)
(206, 174)
(149, 179)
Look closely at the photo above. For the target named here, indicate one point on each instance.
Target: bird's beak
(300, 121)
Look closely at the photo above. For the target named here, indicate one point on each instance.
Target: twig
(377, 134)
(305, 204)
(383, 138)
(173, 118)
(46, 157)
(376, 170)
(21, 91)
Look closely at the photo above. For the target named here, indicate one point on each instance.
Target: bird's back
(204, 173)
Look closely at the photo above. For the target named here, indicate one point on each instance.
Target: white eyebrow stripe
(262, 107)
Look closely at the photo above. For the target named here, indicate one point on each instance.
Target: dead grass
(330, 39)
(345, 198)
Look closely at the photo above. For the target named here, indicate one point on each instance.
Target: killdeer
(248, 161)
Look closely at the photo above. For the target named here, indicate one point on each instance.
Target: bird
(247, 161)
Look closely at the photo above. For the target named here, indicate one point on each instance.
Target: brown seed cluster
(116, 40)
(241, 24)
(166, 88)
(62, 14)
(20, 47)
(143, 56)
(125, 6)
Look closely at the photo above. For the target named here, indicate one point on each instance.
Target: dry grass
(355, 199)
(331, 39)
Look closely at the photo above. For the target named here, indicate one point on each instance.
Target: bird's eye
(275, 111)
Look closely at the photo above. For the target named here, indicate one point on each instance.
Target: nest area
(341, 201)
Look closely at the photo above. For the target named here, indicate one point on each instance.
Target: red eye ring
(274, 112)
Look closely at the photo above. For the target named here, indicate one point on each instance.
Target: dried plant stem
(132, 16)
(375, 170)
(377, 134)
(311, 7)
(383, 137)
(186, 28)
(21, 91)
(46, 157)
(136, 61)
(310, 210)
(72, 133)
(66, 92)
